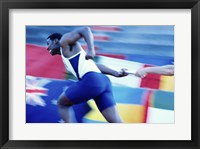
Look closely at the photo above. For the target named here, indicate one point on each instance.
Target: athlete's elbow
(87, 29)
(83, 32)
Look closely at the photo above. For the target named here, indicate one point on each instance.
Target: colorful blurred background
(146, 100)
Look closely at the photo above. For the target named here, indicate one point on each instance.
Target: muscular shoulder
(65, 40)
(70, 38)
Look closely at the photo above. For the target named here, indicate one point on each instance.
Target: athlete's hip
(95, 79)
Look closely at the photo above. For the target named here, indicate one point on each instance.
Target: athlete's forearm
(163, 70)
(106, 70)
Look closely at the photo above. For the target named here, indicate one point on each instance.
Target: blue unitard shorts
(95, 86)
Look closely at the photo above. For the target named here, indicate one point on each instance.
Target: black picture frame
(5, 5)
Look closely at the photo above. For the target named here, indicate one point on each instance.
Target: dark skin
(70, 39)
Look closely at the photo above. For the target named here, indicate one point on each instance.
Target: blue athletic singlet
(78, 65)
(92, 83)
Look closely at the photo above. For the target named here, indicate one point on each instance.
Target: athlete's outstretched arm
(106, 70)
(163, 70)
(84, 32)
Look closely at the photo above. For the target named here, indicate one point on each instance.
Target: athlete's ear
(56, 41)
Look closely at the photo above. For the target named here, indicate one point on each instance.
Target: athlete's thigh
(105, 100)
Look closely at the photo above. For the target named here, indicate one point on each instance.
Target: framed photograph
(103, 74)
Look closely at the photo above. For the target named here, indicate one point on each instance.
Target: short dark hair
(55, 36)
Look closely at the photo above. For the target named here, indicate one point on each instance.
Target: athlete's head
(53, 43)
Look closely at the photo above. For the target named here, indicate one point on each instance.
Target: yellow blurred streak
(129, 113)
(94, 114)
(167, 83)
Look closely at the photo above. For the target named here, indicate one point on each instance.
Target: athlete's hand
(121, 73)
(90, 54)
(141, 73)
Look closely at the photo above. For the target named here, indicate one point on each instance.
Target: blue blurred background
(146, 44)
(146, 100)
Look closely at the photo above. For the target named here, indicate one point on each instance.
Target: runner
(92, 84)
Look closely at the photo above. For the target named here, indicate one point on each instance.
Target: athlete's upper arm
(70, 38)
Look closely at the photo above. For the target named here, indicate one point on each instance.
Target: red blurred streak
(150, 80)
(146, 104)
(36, 91)
(40, 63)
(106, 28)
(101, 38)
(85, 47)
